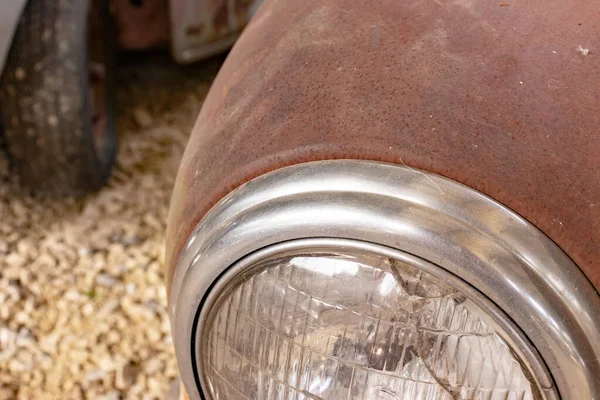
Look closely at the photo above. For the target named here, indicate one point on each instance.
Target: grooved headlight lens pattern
(347, 327)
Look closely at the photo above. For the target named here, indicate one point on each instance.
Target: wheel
(56, 104)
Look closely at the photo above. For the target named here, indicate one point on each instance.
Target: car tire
(46, 100)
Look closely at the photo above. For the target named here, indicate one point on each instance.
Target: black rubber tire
(44, 104)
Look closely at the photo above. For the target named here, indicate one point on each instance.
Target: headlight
(354, 326)
(362, 280)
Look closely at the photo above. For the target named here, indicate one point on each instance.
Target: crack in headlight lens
(354, 327)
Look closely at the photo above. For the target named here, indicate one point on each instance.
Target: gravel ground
(82, 301)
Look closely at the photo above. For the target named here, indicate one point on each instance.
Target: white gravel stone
(106, 280)
(142, 117)
(112, 395)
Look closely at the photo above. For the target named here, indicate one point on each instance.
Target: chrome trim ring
(467, 234)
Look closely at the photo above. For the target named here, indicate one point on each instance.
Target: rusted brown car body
(502, 97)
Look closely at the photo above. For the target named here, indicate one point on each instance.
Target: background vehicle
(394, 200)
(56, 89)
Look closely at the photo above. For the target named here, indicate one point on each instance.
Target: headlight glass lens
(337, 326)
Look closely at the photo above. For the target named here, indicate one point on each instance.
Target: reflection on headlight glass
(344, 327)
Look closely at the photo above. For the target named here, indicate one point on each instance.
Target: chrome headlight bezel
(414, 213)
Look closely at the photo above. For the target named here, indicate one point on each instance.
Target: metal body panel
(203, 28)
(502, 98)
(10, 15)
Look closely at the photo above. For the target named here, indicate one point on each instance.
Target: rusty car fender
(500, 97)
